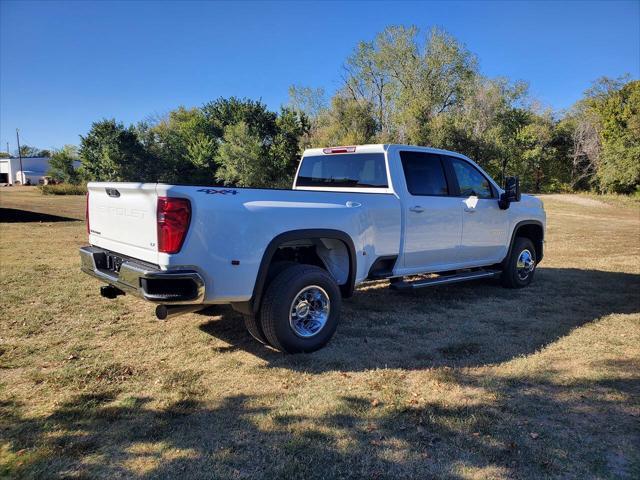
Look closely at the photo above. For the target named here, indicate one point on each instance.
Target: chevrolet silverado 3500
(286, 258)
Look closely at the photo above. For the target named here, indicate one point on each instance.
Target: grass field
(466, 381)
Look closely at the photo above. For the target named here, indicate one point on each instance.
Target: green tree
(619, 169)
(284, 151)
(310, 104)
(241, 158)
(183, 145)
(249, 160)
(407, 80)
(61, 164)
(223, 112)
(605, 136)
(537, 152)
(28, 151)
(484, 123)
(111, 152)
(348, 122)
(306, 100)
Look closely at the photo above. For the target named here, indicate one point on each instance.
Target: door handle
(470, 210)
(351, 204)
(417, 209)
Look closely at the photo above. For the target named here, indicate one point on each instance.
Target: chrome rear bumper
(171, 287)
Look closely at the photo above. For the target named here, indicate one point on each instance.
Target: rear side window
(424, 173)
(470, 180)
(343, 170)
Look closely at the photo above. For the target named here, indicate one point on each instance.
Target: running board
(445, 280)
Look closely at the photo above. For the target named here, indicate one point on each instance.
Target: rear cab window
(348, 170)
(424, 173)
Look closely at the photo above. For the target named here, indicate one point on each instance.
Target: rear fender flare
(261, 278)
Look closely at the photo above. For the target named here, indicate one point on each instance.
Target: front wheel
(520, 267)
(300, 309)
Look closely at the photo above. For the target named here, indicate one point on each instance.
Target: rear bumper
(143, 280)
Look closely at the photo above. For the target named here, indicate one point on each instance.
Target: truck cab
(451, 214)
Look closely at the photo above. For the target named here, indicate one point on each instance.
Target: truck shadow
(13, 215)
(461, 325)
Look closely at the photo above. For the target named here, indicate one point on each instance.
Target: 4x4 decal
(213, 191)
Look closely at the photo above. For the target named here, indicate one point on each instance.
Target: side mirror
(511, 192)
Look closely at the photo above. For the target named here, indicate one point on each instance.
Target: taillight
(173, 216)
(86, 213)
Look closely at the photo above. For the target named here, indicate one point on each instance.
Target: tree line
(27, 151)
(404, 86)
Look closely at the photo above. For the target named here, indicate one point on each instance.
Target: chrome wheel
(525, 265)
(309, 311)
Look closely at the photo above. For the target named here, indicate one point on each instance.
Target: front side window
(360, 170)
(470, 180)
(424, 173)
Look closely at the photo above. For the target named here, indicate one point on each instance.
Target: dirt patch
(575, 199)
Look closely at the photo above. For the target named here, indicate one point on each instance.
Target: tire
(314, 290)
(276, 268)
(514, 276)
(252, 322)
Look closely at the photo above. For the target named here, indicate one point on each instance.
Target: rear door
(484, 224)
(122, 219)
(433, 218)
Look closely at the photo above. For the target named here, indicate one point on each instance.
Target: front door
(433, 218)
(484, 224)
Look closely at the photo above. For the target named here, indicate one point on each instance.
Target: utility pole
(20, 157)
(8, 149)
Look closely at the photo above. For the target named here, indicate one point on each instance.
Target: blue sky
(66, 64)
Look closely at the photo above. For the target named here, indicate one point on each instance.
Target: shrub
(63, 189)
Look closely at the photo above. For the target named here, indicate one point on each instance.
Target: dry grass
(469, 381)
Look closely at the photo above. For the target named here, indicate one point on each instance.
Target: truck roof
(379, 148)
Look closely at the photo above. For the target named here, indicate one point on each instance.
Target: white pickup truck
(286, 258)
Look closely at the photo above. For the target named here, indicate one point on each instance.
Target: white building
(34, 170)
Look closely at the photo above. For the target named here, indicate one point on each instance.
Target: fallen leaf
(534, 435)
(375, 402)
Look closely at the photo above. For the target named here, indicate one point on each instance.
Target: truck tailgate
(122, 218)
